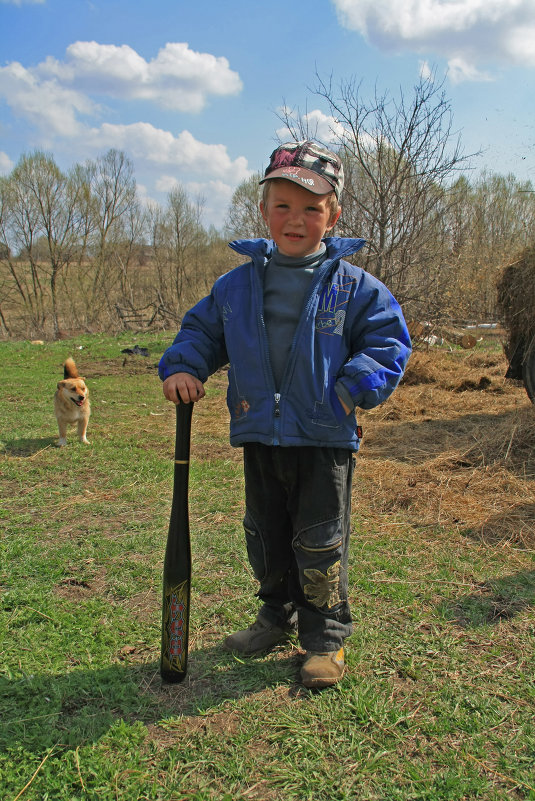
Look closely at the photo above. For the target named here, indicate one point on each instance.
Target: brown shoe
(322, 669)
(257, 638)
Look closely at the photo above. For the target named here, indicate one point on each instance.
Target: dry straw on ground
(454, 447)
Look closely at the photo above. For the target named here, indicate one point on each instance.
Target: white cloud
(6, 165)
(319, 125)
(178, 78)
(214, 193)
(59, 101)
(45, 103)
(425, 70)
(215, 196)
(53, 94)
(466, 32)
(166, 183)
(459, 70)
(142, 194)
(326, 129)
(521, 42)
(144, 142)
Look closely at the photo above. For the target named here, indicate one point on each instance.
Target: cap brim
(308, 179)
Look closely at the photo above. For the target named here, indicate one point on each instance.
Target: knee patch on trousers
(318, 551)
(323, 589)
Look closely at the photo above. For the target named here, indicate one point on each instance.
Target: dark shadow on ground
(78, 707)
(496, 600)
(28, 447)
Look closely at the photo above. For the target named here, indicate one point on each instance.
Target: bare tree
(244, 219)
(116, 222)
(399, 154)
(178, 244)
(62, 204)
(186, 237)
(491, 220)
(19, 232)
(43, 216)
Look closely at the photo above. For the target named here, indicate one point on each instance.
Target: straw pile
(453, 448)
(516, 306)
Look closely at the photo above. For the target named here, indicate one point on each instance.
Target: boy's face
(297, 219)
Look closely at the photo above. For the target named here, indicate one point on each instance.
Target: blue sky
(190, 90)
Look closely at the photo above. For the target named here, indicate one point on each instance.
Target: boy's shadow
(497, 600)
(29, 446)
(80, 706)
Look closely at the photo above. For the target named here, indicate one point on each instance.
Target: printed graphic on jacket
(331, 313)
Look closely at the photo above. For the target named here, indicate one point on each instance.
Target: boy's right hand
(183, 387)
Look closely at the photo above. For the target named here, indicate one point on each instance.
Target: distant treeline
(80, 253)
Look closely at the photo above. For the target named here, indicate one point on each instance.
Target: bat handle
(183, 432)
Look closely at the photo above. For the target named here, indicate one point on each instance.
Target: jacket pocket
(325, 537)
(328, 413)
(322, 414)
(237, 404)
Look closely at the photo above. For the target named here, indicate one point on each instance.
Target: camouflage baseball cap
(311, 166)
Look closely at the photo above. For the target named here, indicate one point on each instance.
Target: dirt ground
(454, 446)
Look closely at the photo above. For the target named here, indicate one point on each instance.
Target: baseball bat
(177, 561)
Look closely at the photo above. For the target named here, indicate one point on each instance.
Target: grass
(439, 696)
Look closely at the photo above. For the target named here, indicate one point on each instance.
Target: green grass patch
(439, 696)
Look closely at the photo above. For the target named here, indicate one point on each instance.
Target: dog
(71, 403)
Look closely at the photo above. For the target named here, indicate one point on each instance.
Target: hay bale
(516, 307)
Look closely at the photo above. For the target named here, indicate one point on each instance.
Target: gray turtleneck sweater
(286, 284)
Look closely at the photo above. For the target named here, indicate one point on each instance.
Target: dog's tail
(69, 369)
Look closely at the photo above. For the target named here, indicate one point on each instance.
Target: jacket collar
(337, 247)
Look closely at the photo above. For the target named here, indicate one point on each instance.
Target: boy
(308, 337)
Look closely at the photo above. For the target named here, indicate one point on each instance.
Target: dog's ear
(61, 384)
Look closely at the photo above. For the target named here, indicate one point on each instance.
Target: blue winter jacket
(351, 330)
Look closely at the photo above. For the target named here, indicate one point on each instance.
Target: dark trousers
(297, 525)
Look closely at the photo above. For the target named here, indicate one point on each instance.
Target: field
(439, 698)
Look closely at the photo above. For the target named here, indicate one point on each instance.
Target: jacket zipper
(276, 422)
(302, 322)
(265, 349)
(313, 291)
